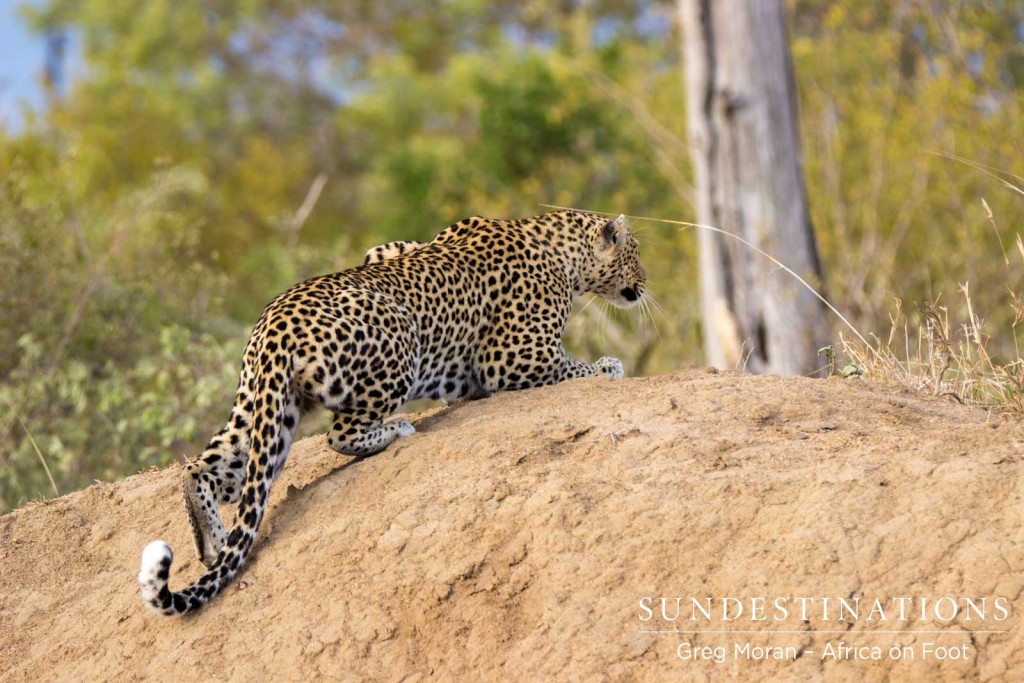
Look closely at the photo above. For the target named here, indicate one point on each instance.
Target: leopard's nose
(629, 294)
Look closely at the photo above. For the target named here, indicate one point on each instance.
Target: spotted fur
(391, 250)
(479, 309)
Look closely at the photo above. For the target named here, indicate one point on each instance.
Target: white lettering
(645, 605)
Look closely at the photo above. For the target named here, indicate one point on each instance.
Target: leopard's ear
(611, 232)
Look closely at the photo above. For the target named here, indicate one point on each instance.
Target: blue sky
(21, 63)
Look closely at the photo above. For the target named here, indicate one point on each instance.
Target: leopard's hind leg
(359, 427)
(369, 377)
(356, 434)
(217, 475)
(206, 480)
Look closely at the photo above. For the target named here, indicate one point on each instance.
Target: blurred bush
(104, 369)
(90, 421)
(150, 211)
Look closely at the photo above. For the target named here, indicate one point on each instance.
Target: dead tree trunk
(741, 104)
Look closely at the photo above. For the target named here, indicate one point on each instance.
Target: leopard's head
(616, 274)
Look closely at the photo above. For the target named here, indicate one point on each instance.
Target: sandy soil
(513, 538)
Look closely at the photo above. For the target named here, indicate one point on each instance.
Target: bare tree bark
(741, 105)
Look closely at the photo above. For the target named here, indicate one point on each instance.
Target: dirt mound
(530, 536)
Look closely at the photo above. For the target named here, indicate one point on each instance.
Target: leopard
(479, 309)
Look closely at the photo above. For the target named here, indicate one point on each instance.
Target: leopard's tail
(267, 445)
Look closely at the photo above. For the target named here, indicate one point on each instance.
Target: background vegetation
(150, 210)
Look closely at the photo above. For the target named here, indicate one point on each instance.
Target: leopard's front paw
(612, 367)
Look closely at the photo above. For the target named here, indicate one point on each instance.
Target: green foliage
(97, 281)
(99, 364)
(497, 134)
(895, 219)
(100, 422)
(148, 214)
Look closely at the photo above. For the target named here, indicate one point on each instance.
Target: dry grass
(38, 451)
(927, 353)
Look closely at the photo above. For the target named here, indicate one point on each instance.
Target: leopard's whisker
(657, 306)
(607, 319)
(647, 311)
(585, 306)
(650, 315)
(660, 308)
